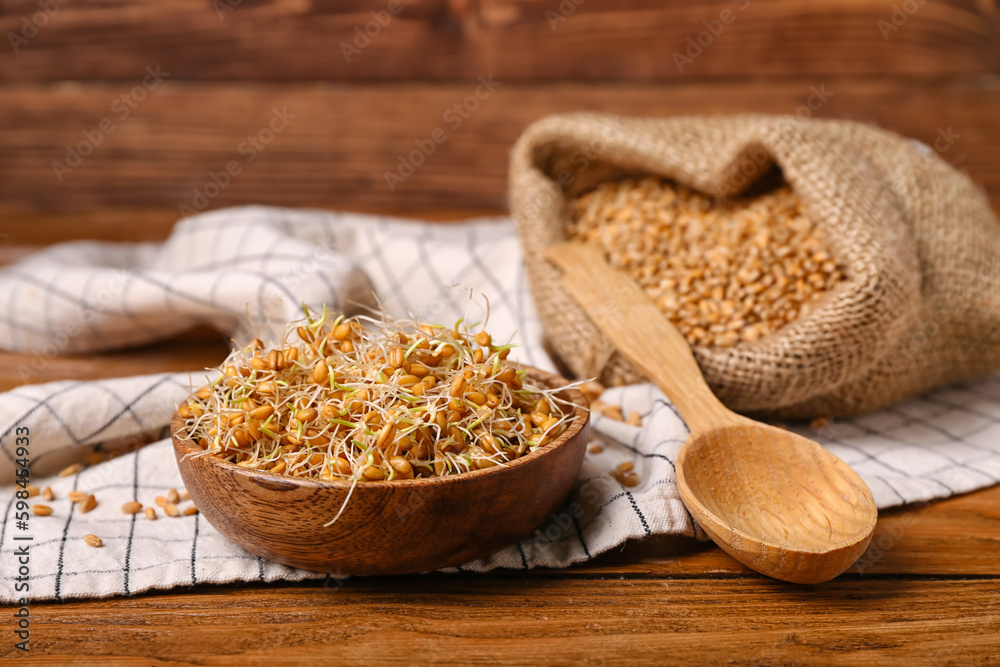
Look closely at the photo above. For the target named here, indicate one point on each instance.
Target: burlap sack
(921, 303)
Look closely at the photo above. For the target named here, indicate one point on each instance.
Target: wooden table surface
(928, 592)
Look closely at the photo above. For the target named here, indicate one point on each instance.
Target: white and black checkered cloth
(237, 268)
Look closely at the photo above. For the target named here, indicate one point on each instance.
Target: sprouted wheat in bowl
(369, 400)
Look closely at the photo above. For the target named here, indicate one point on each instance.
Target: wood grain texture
(517, 619)
(392, 527)
(336, 151)
(512, 39)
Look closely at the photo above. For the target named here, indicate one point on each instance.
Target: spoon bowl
(777, 502)
(744, 485)
(388, 527)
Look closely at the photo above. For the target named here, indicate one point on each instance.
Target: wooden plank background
(524, 40)
(226, 65)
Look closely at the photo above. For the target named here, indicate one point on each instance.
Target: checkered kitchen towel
(241, 268)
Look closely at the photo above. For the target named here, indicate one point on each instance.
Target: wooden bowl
(387, 527)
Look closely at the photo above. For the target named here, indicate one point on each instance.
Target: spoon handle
(640, 332)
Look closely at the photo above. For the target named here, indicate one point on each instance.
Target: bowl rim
(580, 421)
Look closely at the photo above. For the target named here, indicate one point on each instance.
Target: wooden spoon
(776, 501)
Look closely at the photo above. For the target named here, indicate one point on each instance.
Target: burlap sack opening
(920, 306)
